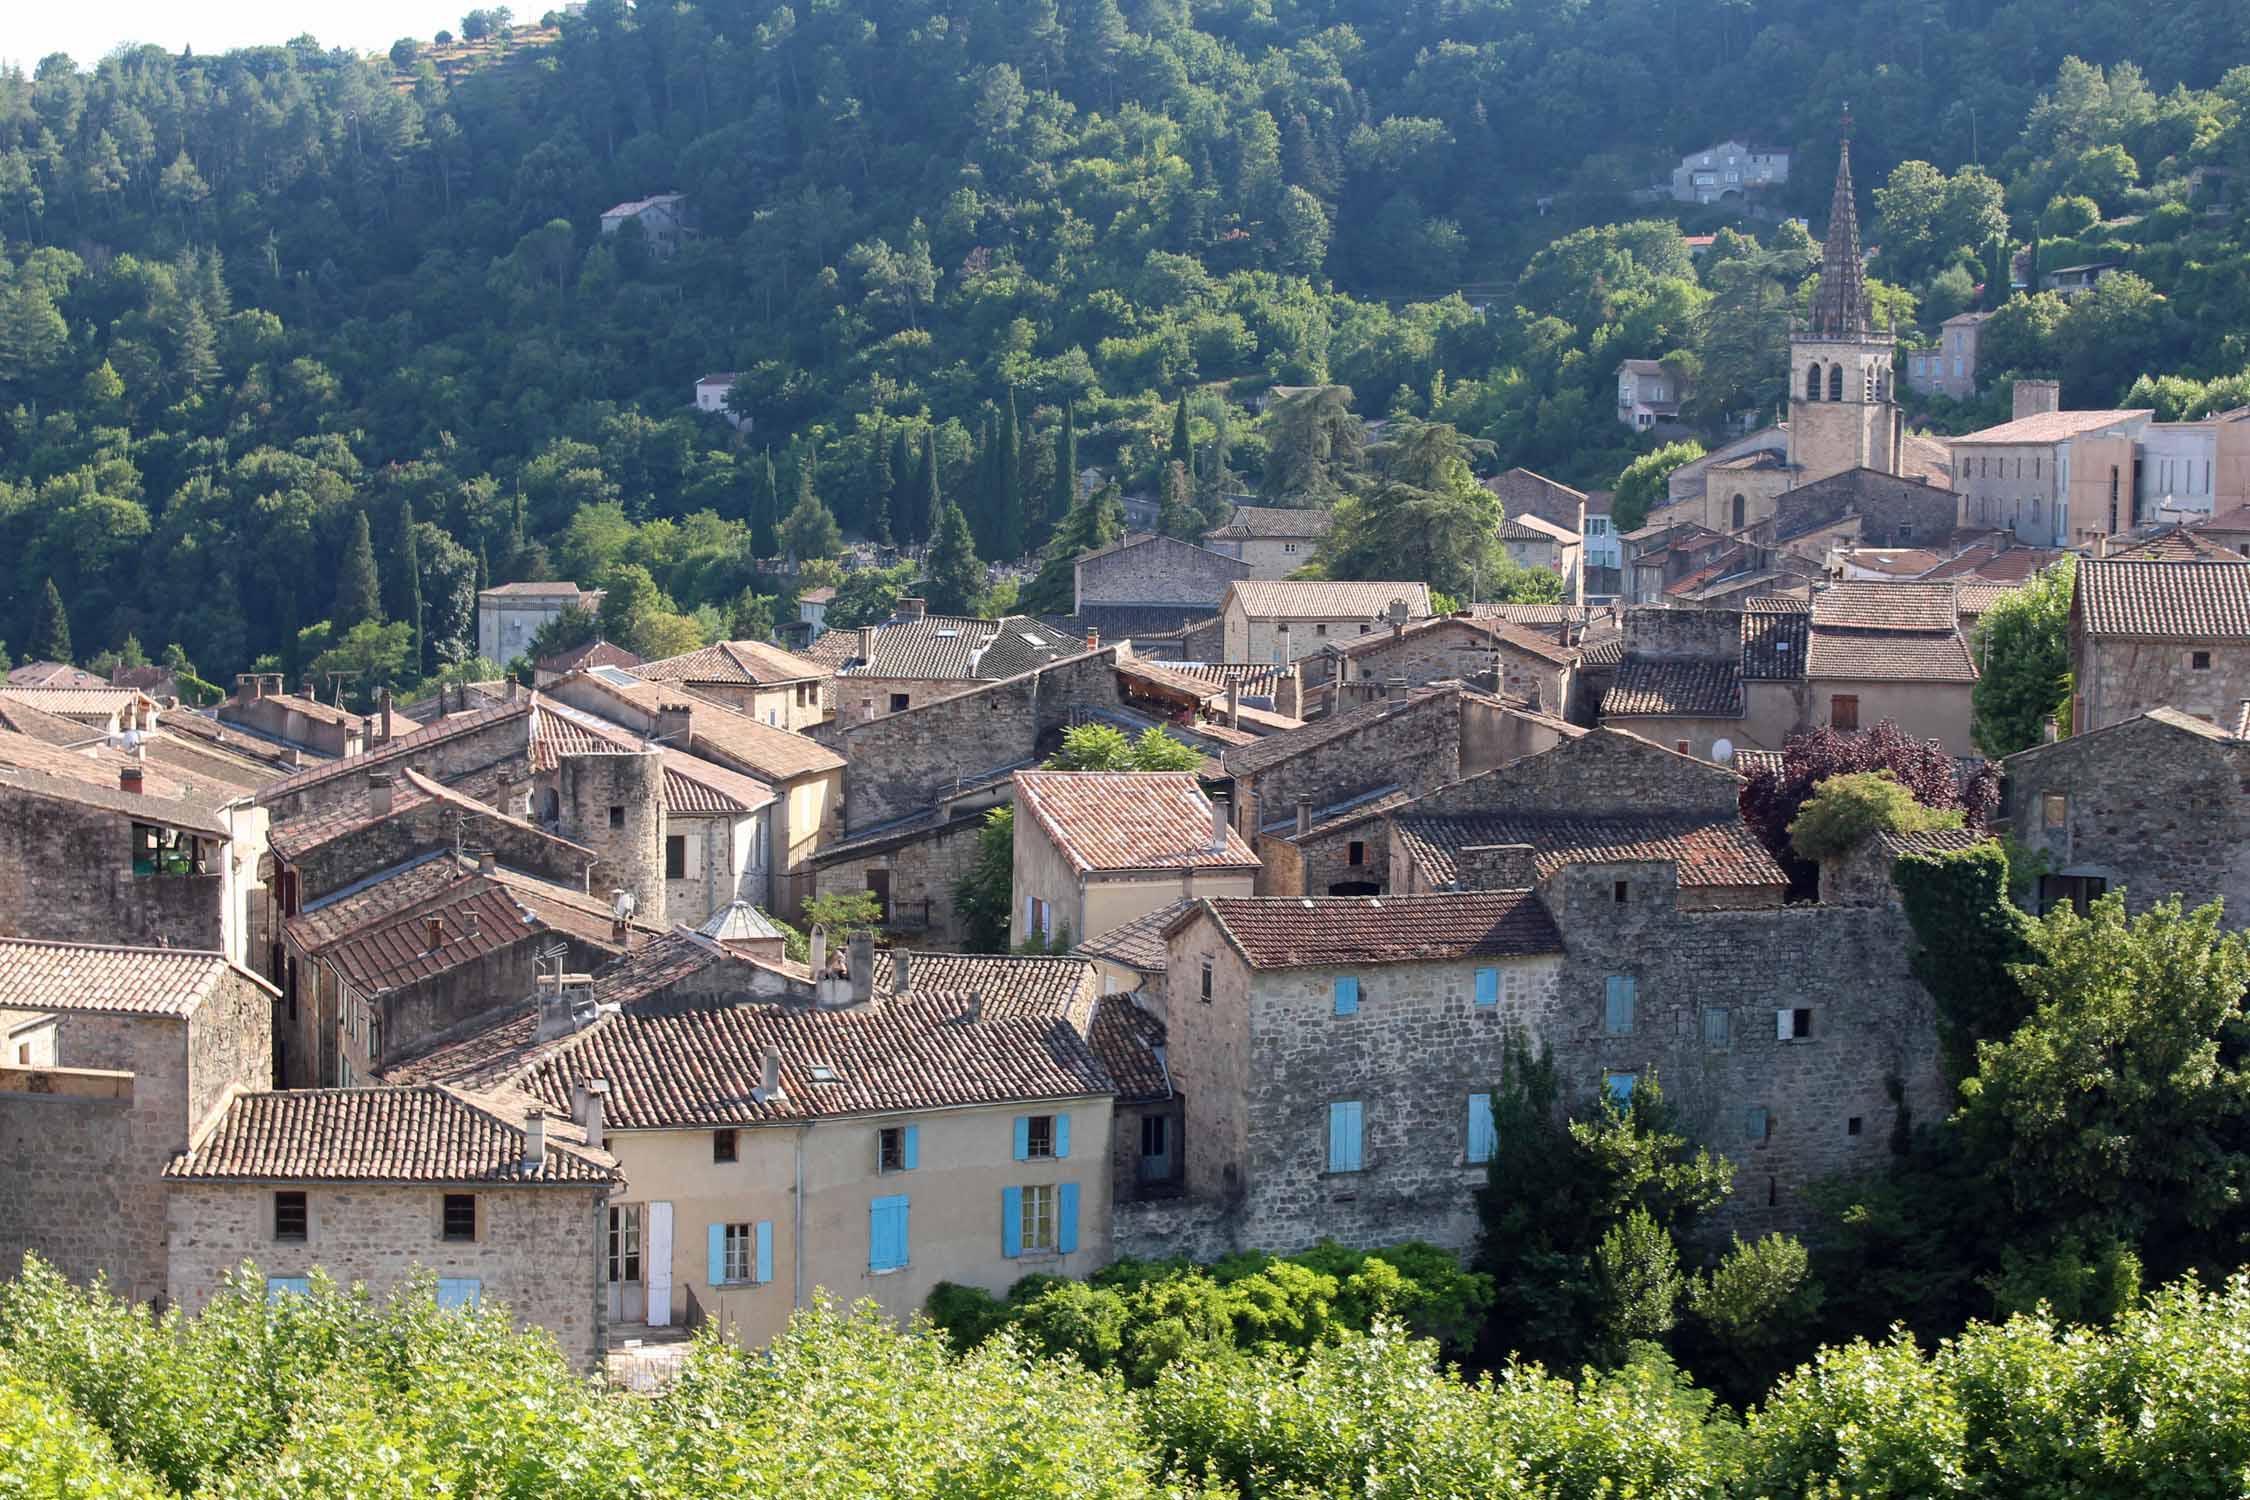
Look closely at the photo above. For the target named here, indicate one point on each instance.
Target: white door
(659, 1264)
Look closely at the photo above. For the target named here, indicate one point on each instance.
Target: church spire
(1840, 308)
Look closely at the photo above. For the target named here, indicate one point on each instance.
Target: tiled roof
(20, 772)
(596, 653)
(2168, 601)
(1011, 983)
(437, 732)
(373, 1135)
(20, 714)
(1130, 1043)
(1166, 675)
(1495, 630)
(1606, 652)
(1868, 605)
(330, 713)
(42, 976)
(52, 674)
(1977, 598)
(1275, 522)
(743, 662)
(771, 753)
(948, 648)
(479, 920)
(1669, 689)
(1291, 599)
(1249, 760)
(693, 786)
(2233, 518)
(1929, 841)
(1297, 933)
(1890, 656)
(2051, 426)
(1751, 762)
(374, 899)
(1257, 677)
(1128, 820)
(300, 836)
(1138, 944)
(1709, 851)
(93, 702)
(1892, 562)
(537, 590)
(1773, 644)
(2173, 544)
(1993, 562)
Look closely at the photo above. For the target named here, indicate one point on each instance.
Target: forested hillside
(248, 301)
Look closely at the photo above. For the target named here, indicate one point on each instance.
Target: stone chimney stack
(131, 776)
(819, 953)
(1234, 704)
(1218, 827)
(379, 793)
(2049, 730)
(867, 643)
(383, 735)
(1287, 655)
(911, 608)
(535, 1140)
(769, 1072)
(1395, 689)
(674, 722)
(2037, 397)
(1093, 638)
(899, 976)
(860, 948)
(1304, 819)
(433, 933)
(593, 1102)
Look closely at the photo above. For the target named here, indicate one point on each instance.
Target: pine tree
(931, 501)
(1183, 446)
(359, 595)
(50, 636)
(953, 578)
(1007, 529)
(199, 350)
(1066, 466)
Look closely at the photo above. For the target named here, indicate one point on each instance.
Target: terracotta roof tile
(1128, 820)
(948, 648)
(93, 702)
(20, 714)
(1273, 521)
(22, 774)
(1670, 689)
(771, 753)
(596, 653)
(1138, 944)
(1489, 628)
(41, 976)
(373, 1135)
(1773, 645)
(1130, 1043)
(2165, 601)
(1709, 851)
(742, 662)
(1294, 599)
(437, 732)
(1868, 605)
(1295, 933)
(2173, 544)
(1890, 656)
(2051, 426)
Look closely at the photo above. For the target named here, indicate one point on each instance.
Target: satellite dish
(1722, 751)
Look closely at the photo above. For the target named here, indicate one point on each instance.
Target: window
(1321, 628)
(460, 1218)
(1812, 382)
(1488, 989)
(2200, 660)
(1619, 1087)
(289, 1219)
(1039, 1219)
(1355, 853)
(616, 816)
(1851, 1126)
(723, 1144)
(459, 1293)
(1836, 382)
(886, 1234)
(1042, 1137)
(625, 1243)
(1843, 711)
(898, 1148)
(2054, 809)
(675, 856)
(1205, 991)
(899, 702)
(1792, 1025)
(1288, 546)
(1347, 995)
(1484, 1138)
(1622, 998)
(1718, 1029)
(1343, 1136)
(1681, 746)
(1156, 1137)
(741, 1252)
(278, 1287)
(1757, 1125)
(1618, 891)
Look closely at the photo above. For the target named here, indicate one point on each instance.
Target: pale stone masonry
(2147, 635)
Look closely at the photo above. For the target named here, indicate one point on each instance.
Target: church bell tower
(1843, 412)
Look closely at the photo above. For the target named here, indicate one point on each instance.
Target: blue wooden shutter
(1062, 1135)
(1347, 995)
(1754, 1122)
(278, 1287)
(1617, 1017)
(1066, 1219)
(1484, 1139)
(765, 1250)
(715, 1245)
(459, 1292)
(1620, 1086)
(1011, 1222)
(910, 1147)
(1343, 1136)
(1023, 1137)
(887, 1248)
(1488, 987)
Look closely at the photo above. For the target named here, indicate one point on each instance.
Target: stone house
(1864, 506)
(2052, 477)
(664, 218)
(594, 654)
(510, 615)
(1095, 849)
(260, 707)
(917, 1118)
(1515, 661)
(1535, 543)
(2152, 805)
(2146, 635)
(711, 396)
(116, 1059)
(776, 688)
(1950, 369)
(96, 846)
(97, 710)
(1523, 493)
(1729, 171)
(1145, 582)
(1892, 651)
(916, 658)
(1280, 621)
(380, 1185)
(1275, 542)
(912, 863)
(1710, 682)
(1648, 394)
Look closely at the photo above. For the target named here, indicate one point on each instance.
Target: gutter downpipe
(797, 1227)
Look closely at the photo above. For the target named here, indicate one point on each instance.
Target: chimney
(433, 928)
(249, 687)
(674, 720)
(535, 1140)
(130, 777)
(472, 925)
(593, 1102)
(867, 641)
(1287, 655)
(973, 1012)
(1395, 689)
(1093, 638)
(1234, 704)
(860, 947)
(379, 799)
(1218, 828)
(620, 929)
(819, 955)
(2037, 397)
(383, 735)
(512, 685)
(1304, 819)
(911, 608)
(899, 977)
(2049, 730)
(1397, 616)
(769, 1072)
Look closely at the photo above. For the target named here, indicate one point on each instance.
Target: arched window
(1836, 382)
(1883, 384)
(1812, 381)
(1738, 510)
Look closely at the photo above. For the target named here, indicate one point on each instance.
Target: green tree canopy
(2023, 650)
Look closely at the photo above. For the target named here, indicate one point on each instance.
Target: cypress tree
(410, 563)
(902, 485)
(358, 593)
(1183, 446)
(1066, 466)
(765, 507)
(953, 578)
(880, 482)
(1007, 530)
(484, 569)
(931, 500)
(50, 636)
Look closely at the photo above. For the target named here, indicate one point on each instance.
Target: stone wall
(1607, 771)
(1447, 649)
(923, 870)
(1157, 570)
(2153, 807)
(2117, 679)
(504, 739)
(537, 1250)
(1893, 512)
(908, 761)
(613, 804)
(66, 874)
(229, 1045)
(1655, 633)
(1417, 746)
(432, 824)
